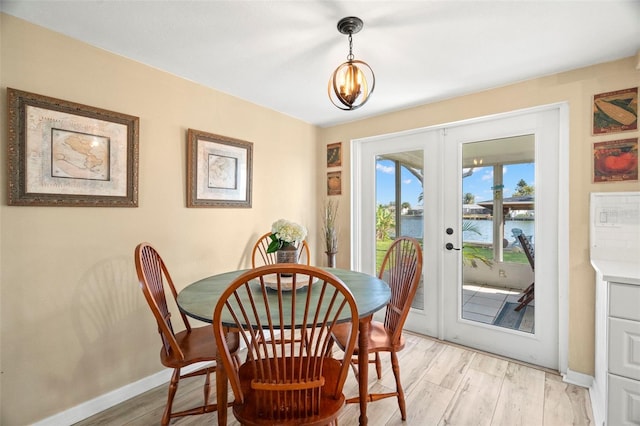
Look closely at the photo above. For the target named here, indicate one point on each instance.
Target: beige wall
(575, 87)
(74, 325)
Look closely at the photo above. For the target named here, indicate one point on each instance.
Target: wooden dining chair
(181, 349)
(260, 257)
(283, 380)
(529, 293)
(402, 269)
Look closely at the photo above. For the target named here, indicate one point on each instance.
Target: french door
(445, 153)
(397, 155)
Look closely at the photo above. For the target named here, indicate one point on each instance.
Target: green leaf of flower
(274, 245)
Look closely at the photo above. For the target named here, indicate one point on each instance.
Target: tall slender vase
(331, 258)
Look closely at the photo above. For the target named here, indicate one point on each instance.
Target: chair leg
(207, 388)
(378, 366)
(354, 367)
(395, 366)
(526, 298)
(173, 388)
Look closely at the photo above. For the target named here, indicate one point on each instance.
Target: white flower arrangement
(285, 232)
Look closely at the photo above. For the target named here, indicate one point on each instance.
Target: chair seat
(197, 346)
(248, 414)
(379, 338)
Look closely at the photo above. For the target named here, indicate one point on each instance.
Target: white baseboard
(585, 381)
(115, 397)
(578, 379)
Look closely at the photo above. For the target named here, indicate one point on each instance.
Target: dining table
(197, 300)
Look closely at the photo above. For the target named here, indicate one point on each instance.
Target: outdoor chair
(529, 293)
(402, 270)
(283, 380)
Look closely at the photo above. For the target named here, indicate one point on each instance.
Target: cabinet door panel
(624, 348)
(624, 300)
(624, 401)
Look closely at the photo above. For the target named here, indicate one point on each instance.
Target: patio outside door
(438, 310)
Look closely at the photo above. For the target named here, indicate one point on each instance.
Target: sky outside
(479, 183)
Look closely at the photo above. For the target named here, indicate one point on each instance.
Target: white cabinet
(616, 390)
(614, 247)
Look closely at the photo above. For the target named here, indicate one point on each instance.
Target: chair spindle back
(402, 269)
(151, 270)
(260, 257)
(286, 377)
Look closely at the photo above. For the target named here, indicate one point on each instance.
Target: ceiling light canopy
(351, 83)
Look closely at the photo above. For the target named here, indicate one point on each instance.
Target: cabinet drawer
(624, 348)
(624, 301)
(624, 401)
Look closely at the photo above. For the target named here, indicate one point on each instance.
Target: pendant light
(351, 83)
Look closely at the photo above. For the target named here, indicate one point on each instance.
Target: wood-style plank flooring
(444, 384)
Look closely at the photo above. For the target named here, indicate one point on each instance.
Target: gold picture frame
(334, 154)
(62, 153)
(219, 170)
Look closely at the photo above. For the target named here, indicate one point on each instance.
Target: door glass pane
(399, 203)
(498, 187)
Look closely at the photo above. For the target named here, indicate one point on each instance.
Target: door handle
(450, 246)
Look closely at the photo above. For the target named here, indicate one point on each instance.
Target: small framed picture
(615, 111)
(334, 183)
(218, 170)
(63, 153)
(334, 154)
(615, 161)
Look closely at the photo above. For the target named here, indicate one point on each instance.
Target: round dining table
(371, 294)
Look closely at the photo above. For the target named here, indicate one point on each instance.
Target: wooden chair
(284, 381)
(259, 255)
(529, 293)
(180, 349)
(402, 269)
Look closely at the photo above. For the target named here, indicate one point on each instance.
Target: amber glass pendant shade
(352, 82)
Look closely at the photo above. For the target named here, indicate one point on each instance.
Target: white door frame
(359, 218)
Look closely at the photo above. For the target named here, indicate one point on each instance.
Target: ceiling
(280, 54)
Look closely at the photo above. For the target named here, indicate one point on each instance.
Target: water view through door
(498, 211)
(399, 201)
(482, 200)
(505, 296)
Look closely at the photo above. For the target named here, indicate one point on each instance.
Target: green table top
(197, 300)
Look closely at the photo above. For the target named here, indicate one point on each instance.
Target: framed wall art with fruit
(615, 111)
(615, 161)
(334, 183)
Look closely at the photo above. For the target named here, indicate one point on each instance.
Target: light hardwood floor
(444, 384)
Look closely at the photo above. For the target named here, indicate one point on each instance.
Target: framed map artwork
(218, 170)
(334, 154)
(615, 111)
(61, 153)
